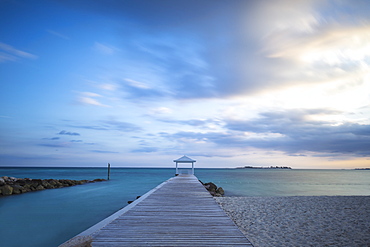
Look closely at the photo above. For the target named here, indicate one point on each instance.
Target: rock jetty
(213, 189)
(13, 186)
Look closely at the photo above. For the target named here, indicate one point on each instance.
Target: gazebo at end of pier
(185, 159)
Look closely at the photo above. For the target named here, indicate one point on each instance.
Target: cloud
(90, 127)
(64, 132)
(122, 126)
(198, 59)
(7, 57)
(327, 55)
(210, 155)
(243, 47)
(145, 150)
(192, 122)
(103, 152)
(135, 89)
(108, 86)
(57, 34)
(76, 141)
(90, 101)
(332, 46)
(51, 139)
(298, 155)
(9, 53)
(137, 84)
(294, 132)
(14, 159)
(192, 138)
(105, 49)
(278, 121)
(160, 110)
(111, 124)
(89, 98)
(57, 145)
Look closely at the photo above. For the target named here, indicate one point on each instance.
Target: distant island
(264, 167)
(362, 168)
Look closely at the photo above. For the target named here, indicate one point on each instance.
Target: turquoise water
(50, 217)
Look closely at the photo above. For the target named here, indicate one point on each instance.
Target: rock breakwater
(13, 186)
(213, 189)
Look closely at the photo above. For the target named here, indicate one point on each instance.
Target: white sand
(301, 220)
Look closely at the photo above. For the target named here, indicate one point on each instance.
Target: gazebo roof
(184, 159)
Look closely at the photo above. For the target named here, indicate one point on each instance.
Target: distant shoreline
(264, 167)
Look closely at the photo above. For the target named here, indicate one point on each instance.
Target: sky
(227, 83)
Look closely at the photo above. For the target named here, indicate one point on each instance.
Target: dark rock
(45, 183)
(52, 183)
(65, 182)
(27, 188)
(17, 189)
(211, 187)
(213, 190)
(68, 182)
(58, 184)
(220, 191)
(6, 190)
(48, 186)
(35, 183)
(21, 182)
(40, 187)
(99, 180)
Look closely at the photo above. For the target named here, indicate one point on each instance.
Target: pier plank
(179, 213)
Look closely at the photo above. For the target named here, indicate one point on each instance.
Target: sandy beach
(301, 220)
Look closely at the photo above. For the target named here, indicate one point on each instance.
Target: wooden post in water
(108, 171)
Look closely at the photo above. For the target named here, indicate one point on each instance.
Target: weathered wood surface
(179, 213)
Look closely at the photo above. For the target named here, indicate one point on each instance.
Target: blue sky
(228, 83)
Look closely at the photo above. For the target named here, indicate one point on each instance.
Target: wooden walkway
(180, 212)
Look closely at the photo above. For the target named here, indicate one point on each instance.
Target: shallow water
(50, 217)
(278, 182)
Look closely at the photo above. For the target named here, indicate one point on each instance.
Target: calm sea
(50, 217)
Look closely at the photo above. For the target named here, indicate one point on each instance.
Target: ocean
(51, 217)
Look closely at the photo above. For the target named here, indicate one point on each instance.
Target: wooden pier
(179, 212)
